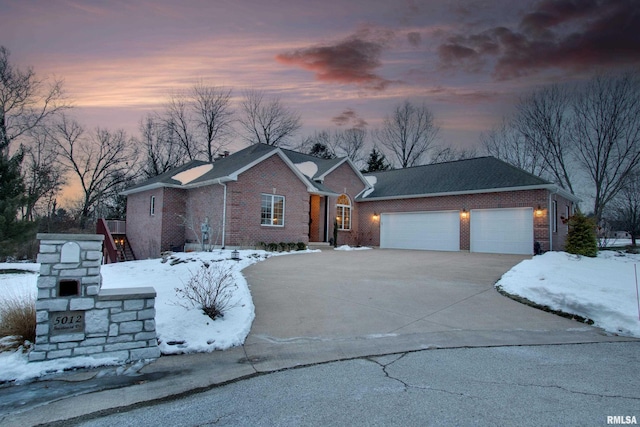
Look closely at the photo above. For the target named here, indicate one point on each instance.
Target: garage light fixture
(376, 216)
(464, 214)
(539, 211)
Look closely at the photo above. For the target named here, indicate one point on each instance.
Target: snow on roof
(192, 174)
(372, 180)
(307, 168)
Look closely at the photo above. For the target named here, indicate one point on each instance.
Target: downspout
(549, 205)
(224, 212)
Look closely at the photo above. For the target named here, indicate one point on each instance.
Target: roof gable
(463, 176)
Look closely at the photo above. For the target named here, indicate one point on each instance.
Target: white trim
(273, 202)
(549, 187)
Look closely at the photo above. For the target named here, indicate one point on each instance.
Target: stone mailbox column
(76, 318)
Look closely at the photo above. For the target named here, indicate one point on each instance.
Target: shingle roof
(324, 165)
(472, 175)
(227, 167)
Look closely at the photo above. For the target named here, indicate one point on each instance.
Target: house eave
(549, 187)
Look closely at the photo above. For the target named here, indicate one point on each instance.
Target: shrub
(301, 246)
(582, 236)
(18, 318)
(209, 289)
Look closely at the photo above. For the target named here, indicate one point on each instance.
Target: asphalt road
(548, 385)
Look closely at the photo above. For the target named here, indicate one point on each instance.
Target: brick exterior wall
(144, 230)
(149, 235)
(201, 203)
(272, 176)
(344, 180)
(369, 227)
(565, 207)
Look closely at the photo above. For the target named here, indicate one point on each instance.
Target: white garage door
(437, 231)
(503, 231)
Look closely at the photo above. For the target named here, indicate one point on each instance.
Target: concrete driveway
(379, 301)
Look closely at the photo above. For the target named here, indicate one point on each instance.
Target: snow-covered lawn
(602, 289)
(180, 330)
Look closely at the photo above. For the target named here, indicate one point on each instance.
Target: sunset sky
(337, 62)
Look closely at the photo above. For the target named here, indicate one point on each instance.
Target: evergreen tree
(13, 232)
(376, 162)
(319, 149)
(582, 236)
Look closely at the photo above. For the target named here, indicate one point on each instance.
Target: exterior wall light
(464, 213)
(376, 216)
(539, 211)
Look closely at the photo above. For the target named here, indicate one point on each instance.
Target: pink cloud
(351, 118)
(353, 60)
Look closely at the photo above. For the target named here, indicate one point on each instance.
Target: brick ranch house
(268, 194)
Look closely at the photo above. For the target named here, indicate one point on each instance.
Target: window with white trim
(343, 212)
(152, 206)
(555, 216)
(272, 210)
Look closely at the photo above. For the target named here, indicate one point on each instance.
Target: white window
(343, 212)
(272, 210)
(152, 206)
(554, 219)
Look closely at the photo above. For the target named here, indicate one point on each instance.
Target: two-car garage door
(491, 230)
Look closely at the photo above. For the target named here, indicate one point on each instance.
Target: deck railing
(109, 244)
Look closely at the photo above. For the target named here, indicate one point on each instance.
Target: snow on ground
(179, 329)
(602, 289)
(351, 248)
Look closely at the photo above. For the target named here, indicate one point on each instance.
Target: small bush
(582, 236)
(301, 246)
(18, 318)
(272, 247)
(210, 289)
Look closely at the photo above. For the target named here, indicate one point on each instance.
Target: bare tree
(266, 120)
(161, 150)
(26, 101)
(213, 116)
(506, 143)
(349, 143)
(408, 133)
(100, 161)
(178, 123)
(43, 175)
(451, 154)
(544, 120)
(606, 134)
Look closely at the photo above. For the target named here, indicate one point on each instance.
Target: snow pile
(308, 169)
(602, 289)
(202, 334)
(351, 248)
(192, 174)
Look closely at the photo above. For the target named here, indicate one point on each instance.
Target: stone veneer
(77, 318)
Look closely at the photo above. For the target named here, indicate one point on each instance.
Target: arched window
(343, 212)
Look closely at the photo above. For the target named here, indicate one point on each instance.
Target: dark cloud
(414, 38)
(349, 117)
(557, 33)
(351, 61)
